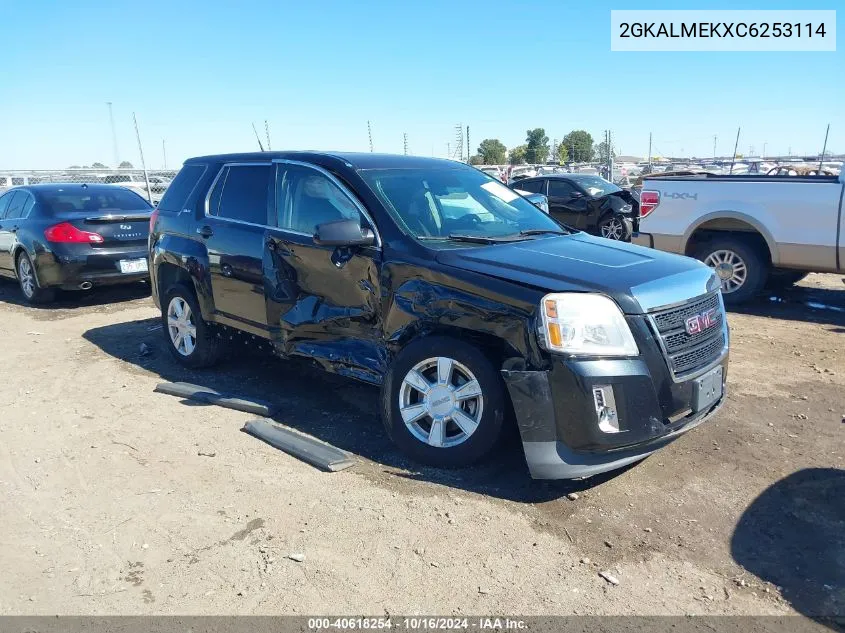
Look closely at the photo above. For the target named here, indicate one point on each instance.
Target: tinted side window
(176, 196)
(21, 206)
(241, 193)
(15, 205)
(4, 203)
(560, 189)
(307, 198)
(534, 186)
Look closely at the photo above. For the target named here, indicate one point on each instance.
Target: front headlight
(586, 324)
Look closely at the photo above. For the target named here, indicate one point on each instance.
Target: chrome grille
(687, 352)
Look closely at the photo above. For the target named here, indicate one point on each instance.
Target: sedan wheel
(181, 326)
(441, 402)
(730, 268)
(26, 277)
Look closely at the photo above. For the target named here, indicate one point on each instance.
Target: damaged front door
(322, 301)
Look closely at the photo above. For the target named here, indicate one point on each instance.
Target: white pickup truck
(752, 230)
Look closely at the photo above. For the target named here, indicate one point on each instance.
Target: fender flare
(733, 215)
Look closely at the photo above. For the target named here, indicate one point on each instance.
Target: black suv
(587, 202)
(458, 297)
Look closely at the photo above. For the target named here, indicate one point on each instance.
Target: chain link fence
(132, 179)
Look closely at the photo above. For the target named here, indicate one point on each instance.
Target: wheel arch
(174, 261)
(728, 221)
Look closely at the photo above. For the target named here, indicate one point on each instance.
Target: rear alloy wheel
(739, 265)
(615, 227)
(190, 339)
(181, 326)
(32, 292)
(443, 402)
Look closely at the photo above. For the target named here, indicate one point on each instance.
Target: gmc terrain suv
(462, 300)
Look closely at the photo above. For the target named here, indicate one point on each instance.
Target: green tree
(537, 146)
(600, 152)
(580, 146)
(517, 155)
(126, 165)
(492, 151)
(98, 166)
(562, 154)
(74, 167)
(476, 160)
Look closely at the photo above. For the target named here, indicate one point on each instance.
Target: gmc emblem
(701, 322)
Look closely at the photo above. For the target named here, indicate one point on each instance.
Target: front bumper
(557, 418)
(69, 266)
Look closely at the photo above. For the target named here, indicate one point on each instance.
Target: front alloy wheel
(181, 326)
(441, 402)
(730, 268)
(613, 229)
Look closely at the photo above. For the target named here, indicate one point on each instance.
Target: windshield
(436, 203)
(596, 186)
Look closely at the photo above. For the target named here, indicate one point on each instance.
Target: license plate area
(128, 266)
(707, 390)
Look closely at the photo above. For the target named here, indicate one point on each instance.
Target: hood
(639, 279)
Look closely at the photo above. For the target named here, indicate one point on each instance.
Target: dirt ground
(118, 500)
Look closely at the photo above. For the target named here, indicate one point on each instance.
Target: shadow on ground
(793, 535)
(336, 410)
(799, 303)
(74, 300)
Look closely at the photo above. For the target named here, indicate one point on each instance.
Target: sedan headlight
(586, 324)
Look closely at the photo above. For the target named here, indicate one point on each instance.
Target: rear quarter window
(176, 197)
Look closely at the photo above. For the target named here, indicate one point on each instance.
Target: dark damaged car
(588, 203)
(465, 303)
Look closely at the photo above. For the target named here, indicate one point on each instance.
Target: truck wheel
(443, 402)
(190, 340)
(739, 264)
(616, 227)
(779, 279)
(32, 292)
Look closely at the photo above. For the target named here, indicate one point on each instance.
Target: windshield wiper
(483, 239)
(543, 231)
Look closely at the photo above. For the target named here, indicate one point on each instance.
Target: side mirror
(343, 233)
(575, 195)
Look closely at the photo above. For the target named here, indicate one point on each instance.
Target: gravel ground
(118, 500)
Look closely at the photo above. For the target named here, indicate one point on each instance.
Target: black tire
(779, 279)
(756, 266)
(482, 440)
(32, 292)
(208, 346)
(624, 231)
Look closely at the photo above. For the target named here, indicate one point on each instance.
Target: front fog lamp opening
(605, 404)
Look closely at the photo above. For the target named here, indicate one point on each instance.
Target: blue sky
(199, 73)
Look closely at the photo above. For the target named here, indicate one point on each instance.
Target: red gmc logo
(701, 322)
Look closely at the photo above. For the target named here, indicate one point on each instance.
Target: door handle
(205, 232)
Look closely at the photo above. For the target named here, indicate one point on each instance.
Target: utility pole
(267, 133)
(649, 151)
(257, 138)
(164, 153)
(764, 149)
(405, 135)
(824, 149)
(469, 152)
(448, 150)
(113, 136)
(714, 146)
(370, 134)
(736, 145)
(143, 162)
